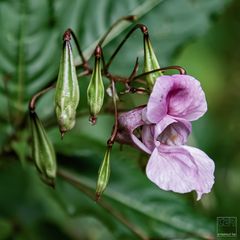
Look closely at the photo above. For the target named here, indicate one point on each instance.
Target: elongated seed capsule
(43, 151)
(67, 89)
(95, 91)
(103, 174)
(150, 62)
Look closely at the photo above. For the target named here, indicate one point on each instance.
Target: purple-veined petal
(132, 119)
(127, 123)
(179, 96)
(181, 169)
(206, 169)
(157, 106)
(139, 144)
(148, 136)
(186, 98)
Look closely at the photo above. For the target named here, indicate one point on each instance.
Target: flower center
(170, 136)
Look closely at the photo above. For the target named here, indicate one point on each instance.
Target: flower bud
(43, 151)
(103, 174)
(67, 89)
(150, 63)
(95, 91)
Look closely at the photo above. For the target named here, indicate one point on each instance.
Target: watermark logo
(226, 226)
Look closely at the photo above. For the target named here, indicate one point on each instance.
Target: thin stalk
(114, 25)
(35, 97)
(144, 30)
(134, 71)
(180, 69)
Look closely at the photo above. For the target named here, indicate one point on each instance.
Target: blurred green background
(200, 35)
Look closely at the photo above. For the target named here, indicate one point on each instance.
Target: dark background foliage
(203, 36)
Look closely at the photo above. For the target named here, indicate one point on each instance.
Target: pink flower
(163, 128)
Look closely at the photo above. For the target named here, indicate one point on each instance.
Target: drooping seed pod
(150, 62)
(103, 174)
(43, 152)
(67, 89)
(95, 91)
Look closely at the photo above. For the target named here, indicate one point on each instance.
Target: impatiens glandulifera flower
(67, 89)
(43, 151)
(150, 62)
(165, 126)
(103, 174)
(95, 91)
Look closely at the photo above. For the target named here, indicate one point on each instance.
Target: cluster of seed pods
(67, 97)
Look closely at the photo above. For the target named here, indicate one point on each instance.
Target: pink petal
(148, 136)
(179, 96)
(140, 145)
(157, 106)
(181, 169)
(132, 119)
(186, 98)
(206, 169)
(128, 122)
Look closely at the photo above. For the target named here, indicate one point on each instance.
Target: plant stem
(144, 30)
(114, 25)
(180, 69)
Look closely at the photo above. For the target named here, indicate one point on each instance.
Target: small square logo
(226, 226)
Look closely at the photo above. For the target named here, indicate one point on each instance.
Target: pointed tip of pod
(97, 196)
(67, 35)
(48, 180)
(93, 120)
(131, 18)
(52, 184)
(98, 52)
(62, 134)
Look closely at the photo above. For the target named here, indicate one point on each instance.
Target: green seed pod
(150, 62)
(95, 91)
(67, 89)
(103, 174)
(43, 151)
